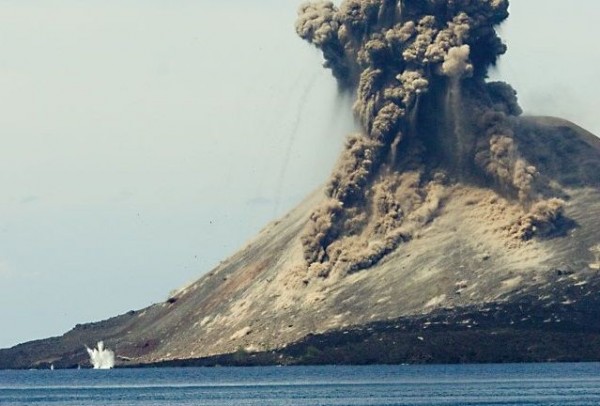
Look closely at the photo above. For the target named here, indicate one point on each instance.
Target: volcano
(453, 228)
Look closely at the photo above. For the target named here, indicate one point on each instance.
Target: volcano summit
(453, 229)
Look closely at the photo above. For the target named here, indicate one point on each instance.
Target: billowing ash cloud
(428, 117)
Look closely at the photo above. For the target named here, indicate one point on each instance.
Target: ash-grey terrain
(453, 229)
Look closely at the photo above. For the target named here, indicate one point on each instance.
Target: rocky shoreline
(522, 331)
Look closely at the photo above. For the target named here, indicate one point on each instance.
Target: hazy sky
(144, 140)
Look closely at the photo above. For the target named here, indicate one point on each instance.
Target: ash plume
(429, 118)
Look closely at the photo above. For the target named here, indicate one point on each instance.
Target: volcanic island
(453, 228)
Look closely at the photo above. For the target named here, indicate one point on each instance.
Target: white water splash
(100, 357)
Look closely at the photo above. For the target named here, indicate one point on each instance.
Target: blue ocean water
(507, 384)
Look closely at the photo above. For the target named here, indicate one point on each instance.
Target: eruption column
(418, 71)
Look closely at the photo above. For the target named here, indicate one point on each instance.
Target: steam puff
(410, 63)
(100, 357)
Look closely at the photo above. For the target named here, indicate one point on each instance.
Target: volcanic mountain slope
(464, 262)
(452, 229)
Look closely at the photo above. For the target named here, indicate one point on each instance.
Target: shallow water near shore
(508, 384)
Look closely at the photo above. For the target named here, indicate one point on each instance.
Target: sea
(501, 384)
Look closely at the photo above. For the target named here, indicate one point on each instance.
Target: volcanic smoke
(429, 119)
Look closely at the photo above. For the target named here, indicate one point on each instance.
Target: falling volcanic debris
(429, 119)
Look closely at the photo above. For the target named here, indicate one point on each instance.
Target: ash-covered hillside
(453, 228)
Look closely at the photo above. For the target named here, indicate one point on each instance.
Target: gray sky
(144, 141)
